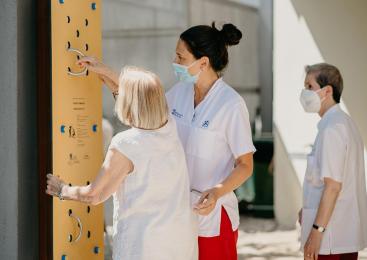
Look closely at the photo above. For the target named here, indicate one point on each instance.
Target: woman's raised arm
(107, 75)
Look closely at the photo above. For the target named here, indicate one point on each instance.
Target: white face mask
(310, 101)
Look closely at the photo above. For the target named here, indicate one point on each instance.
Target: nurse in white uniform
(214, 129)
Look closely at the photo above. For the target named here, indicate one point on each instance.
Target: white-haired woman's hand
(93, 65)
(105, 73)
(54, 185)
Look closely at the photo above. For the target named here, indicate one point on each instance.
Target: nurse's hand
(313, 244)
(207, 202)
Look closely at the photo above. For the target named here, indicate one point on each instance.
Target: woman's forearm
(239, 175)
(114, 170)
(110, 84)
(327, 204)
(113, 77)
(107, 74)
(80, 193)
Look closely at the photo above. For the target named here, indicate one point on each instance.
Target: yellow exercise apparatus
(76, 125)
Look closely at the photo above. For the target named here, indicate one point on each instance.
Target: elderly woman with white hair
(145, 171)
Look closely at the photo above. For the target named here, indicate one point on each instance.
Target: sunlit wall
(307, 32)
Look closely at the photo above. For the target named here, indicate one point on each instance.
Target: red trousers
(222, 247)
(349, 256)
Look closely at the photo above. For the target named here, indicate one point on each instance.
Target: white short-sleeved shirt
(153, 218)
(213, 135)
(338, 153)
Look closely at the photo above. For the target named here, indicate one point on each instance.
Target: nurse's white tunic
(153, 219)
(213, 134)
(337, 154)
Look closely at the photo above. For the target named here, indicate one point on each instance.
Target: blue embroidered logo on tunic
(205, 124)
(175, 113)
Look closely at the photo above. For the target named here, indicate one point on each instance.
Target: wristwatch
(319, 228)
(60, 196)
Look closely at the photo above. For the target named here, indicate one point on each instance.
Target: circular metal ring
(84, 71)
(80, 225)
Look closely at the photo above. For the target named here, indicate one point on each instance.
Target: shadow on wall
(338, 28)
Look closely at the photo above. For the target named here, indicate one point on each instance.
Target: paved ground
(260, 239)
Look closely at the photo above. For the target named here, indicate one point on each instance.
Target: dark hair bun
(206, 40)
(230, 34)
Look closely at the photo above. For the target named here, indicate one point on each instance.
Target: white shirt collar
(211, 90)
(329, 113)
(215, 85)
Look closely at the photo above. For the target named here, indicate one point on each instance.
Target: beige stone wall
(307, 32)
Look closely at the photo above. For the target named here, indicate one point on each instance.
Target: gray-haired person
(334, 197)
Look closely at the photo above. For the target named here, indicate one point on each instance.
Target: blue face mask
(183, 74)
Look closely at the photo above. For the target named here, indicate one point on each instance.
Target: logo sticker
(205, 124)
(176, 114)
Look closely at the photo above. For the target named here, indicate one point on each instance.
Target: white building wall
(307, 32)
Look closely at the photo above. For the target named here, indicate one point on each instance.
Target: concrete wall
(145, 33)
(242, 72)
(18, 153)
(287, 187)
(307, 32)
(8, 148)
(142, 33)
(266, 63)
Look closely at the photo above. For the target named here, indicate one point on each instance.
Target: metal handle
(81, 73)
(80, 227)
